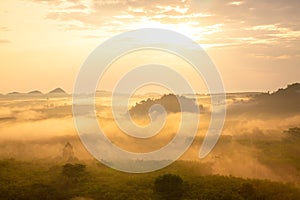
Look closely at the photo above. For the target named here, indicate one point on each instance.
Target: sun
(187, 29)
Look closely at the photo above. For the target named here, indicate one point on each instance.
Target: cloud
(4, 28)
(236, 3)
(280, 57)
(239, 35)
(5, 41)
(261, 22)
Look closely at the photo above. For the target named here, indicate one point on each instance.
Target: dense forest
(92, 180)
(256, 157)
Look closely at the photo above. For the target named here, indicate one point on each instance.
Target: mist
(38, 129)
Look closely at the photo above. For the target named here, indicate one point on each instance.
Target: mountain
(35, 92)
(14, 93)
(292, 90)
(169, 102)
(57, 91)
(289, 96)
(283, 101)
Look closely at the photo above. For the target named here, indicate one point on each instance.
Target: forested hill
(283, 101)
(169, 101)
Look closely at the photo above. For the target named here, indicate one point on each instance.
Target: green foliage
(295, 131)
(38, 180)
(247, 191)
(280, 154)
(74, 170)
(169, 186)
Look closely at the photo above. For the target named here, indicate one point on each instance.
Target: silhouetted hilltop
(14, 93)
(283, 101)
(35, 92)
(57, 91)
(169, 102)
(289, 96)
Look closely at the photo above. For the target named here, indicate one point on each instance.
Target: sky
(255, 44)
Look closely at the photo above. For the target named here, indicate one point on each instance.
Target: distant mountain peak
(35, 92)
(57, 91)
(14, 93)
(170, 102)
(291, 89)
(294, 86)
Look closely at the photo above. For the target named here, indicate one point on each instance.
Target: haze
(43, 43)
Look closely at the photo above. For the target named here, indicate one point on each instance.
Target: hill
(35, 92)
(283, 101)
(57, 91)
(169, 102)
(14, 93)
(46, 180)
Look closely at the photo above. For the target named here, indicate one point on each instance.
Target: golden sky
(255, 43)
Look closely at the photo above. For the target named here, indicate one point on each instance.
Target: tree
(169, 187)
(295, 131)
(247, 191)
(74, 171)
